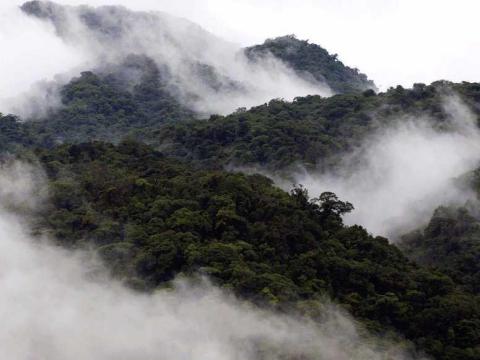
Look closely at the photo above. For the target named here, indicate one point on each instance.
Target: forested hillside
(451, 241)
(451, 244)
(311, 60)
(199, 70)
(311, 131)
(106, 106)
(138, 159)
(152, 218)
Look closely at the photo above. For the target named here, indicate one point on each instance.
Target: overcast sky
(393, 42)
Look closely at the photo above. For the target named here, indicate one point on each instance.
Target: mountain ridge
(309, 59)
(204, 69)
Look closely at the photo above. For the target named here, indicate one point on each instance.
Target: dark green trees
(152, 218)
(311, 60)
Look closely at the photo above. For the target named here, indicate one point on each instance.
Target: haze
(394, 42)
(180, 47)
(403, 172)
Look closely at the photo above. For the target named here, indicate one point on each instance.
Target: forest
(152, 217)
(155, 188)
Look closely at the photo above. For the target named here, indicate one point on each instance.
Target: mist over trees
(151, 218)
(143, 161)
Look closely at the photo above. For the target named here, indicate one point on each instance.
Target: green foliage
(13, 135)
(108, 105)
(277, 134)
(312, 130)
(450, 243)
(152, 218)
(312, 60)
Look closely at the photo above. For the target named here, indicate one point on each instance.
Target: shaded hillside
(114, 102)
(151, 218)
(312, 130)
(451, 240)
(312, 60)
(205, 73)
(451, 244)
(109, 106)
(14, 136)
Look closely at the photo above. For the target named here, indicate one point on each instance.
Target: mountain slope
(269, 246)
(451, 244)
(311, 131)
(311, 60)
(204, 73)
(105, 105)
(451, 240)
(151, 218)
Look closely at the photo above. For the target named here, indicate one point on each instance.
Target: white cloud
(403, 172)
(394, 42)
(30, 52)
(177, 46)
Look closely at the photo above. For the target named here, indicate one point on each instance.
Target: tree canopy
(152, 218)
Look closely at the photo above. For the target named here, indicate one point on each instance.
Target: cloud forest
(166, 193)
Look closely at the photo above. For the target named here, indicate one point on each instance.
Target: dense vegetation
(151, 218)
(310, 60)
(451, 244)
(451, 240)
(106, 105)
(310, 130)
(13, 134)
(110, 106)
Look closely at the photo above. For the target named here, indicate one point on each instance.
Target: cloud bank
(31, 53)
(381, 37)
(206, 73)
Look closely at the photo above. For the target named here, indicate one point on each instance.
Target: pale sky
(393, 42)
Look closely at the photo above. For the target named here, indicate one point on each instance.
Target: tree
(330, 204)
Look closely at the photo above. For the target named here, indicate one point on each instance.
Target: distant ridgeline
(196, 68)
(312, 60)
(309, 60)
